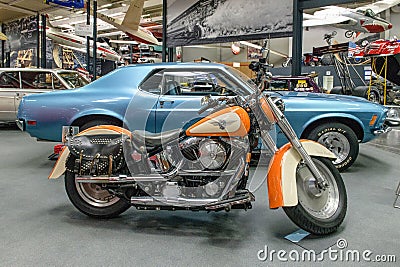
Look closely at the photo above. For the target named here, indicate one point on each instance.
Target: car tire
(97, 122)
(340, 139)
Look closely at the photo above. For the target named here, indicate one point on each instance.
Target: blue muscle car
(165, 96)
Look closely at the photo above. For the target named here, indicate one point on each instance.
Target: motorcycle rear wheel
(90, 198)
(319, 213)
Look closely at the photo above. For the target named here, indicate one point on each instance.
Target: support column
(38, 40)
(43, 43)
(94, 39)
(171, 54)
(130, 54)
(297, 38)
(88, 37)
(164, 31)
(3, 46)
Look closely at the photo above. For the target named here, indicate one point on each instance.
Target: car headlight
(393, 114)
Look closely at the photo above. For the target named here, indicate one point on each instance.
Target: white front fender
(282, 188)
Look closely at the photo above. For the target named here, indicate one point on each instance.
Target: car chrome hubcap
(321, 204)
(94, 195)
(337, 143)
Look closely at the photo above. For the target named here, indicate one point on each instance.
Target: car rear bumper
(21, 124)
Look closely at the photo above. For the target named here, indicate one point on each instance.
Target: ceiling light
(106, 5)
(103, 9)
(79, 12)
(79, 21)
(123, 4)
(117, 14)
(58, 17)
(67, 26)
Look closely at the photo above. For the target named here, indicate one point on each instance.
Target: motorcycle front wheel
(319, 212)
(91, 199)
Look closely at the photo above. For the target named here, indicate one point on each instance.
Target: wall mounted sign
(191, 22)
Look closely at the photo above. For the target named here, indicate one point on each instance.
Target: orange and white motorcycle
(204, 167)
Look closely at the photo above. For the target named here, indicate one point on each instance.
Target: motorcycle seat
(155, 139)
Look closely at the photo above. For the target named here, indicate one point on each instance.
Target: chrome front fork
(287, 129)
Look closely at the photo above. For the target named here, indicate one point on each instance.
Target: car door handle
(166, 101)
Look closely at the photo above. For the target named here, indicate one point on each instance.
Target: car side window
(190, 82)
(9, 79)
(57, 83)
(153, 83)
(36, 80)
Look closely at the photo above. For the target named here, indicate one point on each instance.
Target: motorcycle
(204, 166)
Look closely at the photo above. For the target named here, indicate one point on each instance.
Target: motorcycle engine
(212, 154)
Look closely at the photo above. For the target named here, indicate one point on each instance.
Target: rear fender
(59, 168)
(282, 188)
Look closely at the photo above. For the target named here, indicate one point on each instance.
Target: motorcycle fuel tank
(230, 121)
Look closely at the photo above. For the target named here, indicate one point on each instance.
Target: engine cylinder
(212, 154)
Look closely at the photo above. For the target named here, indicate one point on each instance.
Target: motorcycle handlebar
(212, 103)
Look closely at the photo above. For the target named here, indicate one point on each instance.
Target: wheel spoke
(319, 204)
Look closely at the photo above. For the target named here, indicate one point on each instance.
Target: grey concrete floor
(40, 227)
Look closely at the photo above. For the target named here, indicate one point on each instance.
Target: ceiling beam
(17, 9)
(308, 4)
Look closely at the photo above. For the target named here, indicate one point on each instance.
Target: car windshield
(74, 79)
(242, 77)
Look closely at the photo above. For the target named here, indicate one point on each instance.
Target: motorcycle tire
(319, 212)
(340, 139)
(90, 198)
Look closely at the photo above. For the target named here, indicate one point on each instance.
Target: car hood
(301, 97)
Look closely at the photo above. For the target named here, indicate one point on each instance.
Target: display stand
(382, 71)
(395, 205)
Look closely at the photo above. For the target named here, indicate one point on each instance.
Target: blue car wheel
(340, 139)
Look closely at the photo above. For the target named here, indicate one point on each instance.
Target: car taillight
(31, 122)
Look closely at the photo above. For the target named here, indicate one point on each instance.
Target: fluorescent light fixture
(67, 26)
(58, 17)
(103, 9)
(117, 14)
(123, 4)
(106, 5)
(80, 21)
(79, 12)
(250, 44)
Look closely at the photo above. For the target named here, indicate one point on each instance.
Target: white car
(18, 82)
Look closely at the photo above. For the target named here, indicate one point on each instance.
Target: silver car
(18, 82)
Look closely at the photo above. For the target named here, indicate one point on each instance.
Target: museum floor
(40, 227)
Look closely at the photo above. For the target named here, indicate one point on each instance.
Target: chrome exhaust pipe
(119, 179)
(171, 201)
